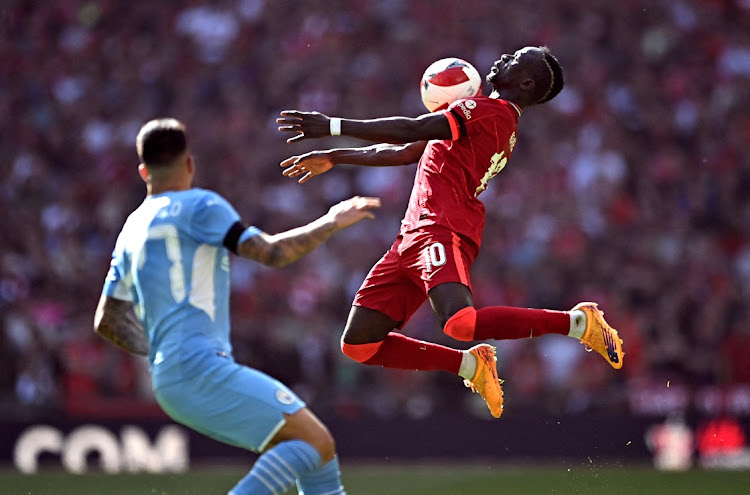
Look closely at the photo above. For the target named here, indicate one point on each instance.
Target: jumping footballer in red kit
(459, 150)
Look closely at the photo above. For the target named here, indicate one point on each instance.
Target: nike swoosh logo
(428, 276)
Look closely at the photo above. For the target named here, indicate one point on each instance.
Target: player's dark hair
(554, 77)
(161, 141)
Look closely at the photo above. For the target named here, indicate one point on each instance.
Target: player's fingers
(289, 117)
(291, 170)
(289, 161)
(290, 128)
(299, 136)
(372, 202)
(289, 122)
(366, 202)
(291, 113)
(306, 177)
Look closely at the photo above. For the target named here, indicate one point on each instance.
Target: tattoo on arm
(287, 247)
(115, 320)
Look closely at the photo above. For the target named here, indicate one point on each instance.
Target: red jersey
(452, 173)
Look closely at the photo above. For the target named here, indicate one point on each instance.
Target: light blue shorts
(229, 402)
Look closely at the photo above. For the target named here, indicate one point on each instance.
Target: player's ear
(190, 164)
(528, 84)
(143, 172)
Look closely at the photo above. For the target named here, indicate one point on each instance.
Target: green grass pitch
(441, 479)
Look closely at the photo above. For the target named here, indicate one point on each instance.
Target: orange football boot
(599, 336)
(485, 381)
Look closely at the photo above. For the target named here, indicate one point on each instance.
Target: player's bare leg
(301, 452)
(460, 320)
(304, 425)
(369, 338)
(479, 364)
(366, 326)
(585, 322)
(448, 299)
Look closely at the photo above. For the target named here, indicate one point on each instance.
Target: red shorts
(418, 261)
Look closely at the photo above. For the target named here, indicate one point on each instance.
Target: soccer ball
(448, 80)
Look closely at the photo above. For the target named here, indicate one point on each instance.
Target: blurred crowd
(631, 188)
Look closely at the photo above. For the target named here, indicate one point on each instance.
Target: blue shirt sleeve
(212, 218)
(114, 284)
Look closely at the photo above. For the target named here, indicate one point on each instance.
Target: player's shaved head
(530, 76)
(549, 76)
(161, 141)
(545, 70)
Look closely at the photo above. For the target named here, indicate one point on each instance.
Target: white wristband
(335, 126)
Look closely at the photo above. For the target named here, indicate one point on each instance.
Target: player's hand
(307, 125)
(306, 166)
(352, 210)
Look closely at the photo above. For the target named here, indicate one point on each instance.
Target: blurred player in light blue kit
(167, 296)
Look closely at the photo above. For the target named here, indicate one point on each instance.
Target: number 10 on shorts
(434, 256)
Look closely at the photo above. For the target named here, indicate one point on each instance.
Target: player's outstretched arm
(115, 320)
(307, 125)
(305, 167)
(287, 247)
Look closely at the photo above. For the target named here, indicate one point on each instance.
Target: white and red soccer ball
(447, 80)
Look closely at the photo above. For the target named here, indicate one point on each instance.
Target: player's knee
(461, 325)
(305, 426)
(360, 352)
(328, 449)
(323, 442)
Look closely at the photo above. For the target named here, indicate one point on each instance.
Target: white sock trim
(577, 324)
(468, 365)
(267, 483)
(289, 476)
(268, 477)
(335, 126)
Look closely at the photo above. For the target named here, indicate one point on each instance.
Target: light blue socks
(280, 467)
(326, 480)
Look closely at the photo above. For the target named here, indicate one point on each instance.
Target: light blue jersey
(170, 262)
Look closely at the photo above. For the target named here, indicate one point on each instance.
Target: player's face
(510, 69)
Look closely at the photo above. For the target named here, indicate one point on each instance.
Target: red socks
(401, 352)
(493, 322)
(505, 322)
